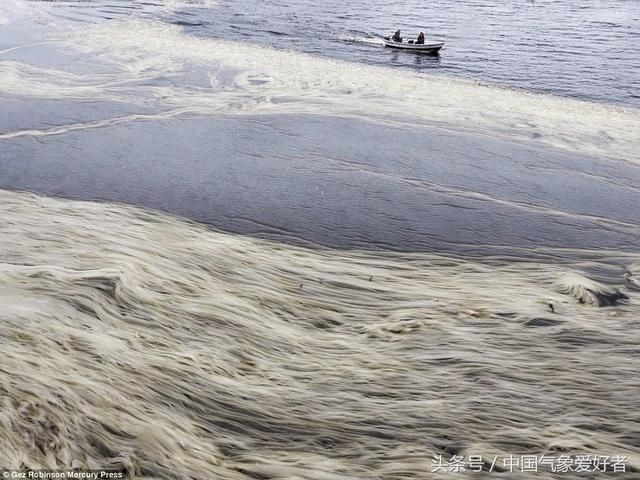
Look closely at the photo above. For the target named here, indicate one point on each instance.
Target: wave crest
(590, 292)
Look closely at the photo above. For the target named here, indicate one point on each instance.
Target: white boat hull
(430, 47)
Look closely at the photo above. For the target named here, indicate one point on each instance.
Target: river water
(243, 240)
(280, 120)
(582, 50)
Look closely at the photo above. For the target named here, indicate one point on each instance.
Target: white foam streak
(141, 54)
(335, 87)
(90, 125)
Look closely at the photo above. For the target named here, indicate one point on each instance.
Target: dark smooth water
(340, 182)
(587, 50)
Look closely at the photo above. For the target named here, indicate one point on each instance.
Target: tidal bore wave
(140, 341)
(147, 62)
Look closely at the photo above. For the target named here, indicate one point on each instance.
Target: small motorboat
(428, 47)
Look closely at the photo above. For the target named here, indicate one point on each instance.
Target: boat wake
(365, 40)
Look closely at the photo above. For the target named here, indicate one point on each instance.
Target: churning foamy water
(138, 341)
(476, 293)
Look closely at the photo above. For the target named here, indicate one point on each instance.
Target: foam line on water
(254, 79)
(20, 47)
(345, 88)
(90, 125)
(451, 191)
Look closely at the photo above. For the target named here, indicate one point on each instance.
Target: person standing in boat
(396, 37)
(420, 40)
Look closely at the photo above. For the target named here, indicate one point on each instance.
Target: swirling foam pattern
(139, 341)
(145, 342)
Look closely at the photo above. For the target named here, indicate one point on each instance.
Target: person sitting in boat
(396, 37)
(420, 40)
